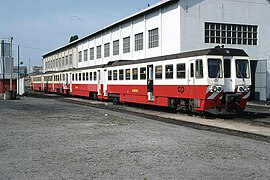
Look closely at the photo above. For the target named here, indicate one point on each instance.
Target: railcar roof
(212, 51)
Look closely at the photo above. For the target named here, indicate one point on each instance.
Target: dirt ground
(47, 139)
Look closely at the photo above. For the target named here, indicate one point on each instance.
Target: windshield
(242, 68)
(214, 68)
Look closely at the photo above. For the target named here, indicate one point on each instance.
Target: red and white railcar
(212, 80)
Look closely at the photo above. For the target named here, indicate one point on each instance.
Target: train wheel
(115, 100)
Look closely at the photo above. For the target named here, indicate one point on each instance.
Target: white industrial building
(174, 26)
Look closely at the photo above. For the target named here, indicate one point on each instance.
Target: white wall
(194, 13)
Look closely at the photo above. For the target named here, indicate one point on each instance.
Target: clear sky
(40, 26)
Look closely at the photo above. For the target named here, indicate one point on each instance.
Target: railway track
(256, 125)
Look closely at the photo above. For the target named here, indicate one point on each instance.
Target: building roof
(148, 9)
(212, 51)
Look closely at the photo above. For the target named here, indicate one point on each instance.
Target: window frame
(160, 74)
(169, 74)
(153, 38)
(138, 41)
(180, 71)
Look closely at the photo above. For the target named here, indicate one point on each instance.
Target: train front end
(229, 82)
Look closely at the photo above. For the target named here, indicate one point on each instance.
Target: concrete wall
(194, 14)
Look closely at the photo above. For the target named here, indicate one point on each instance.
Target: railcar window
(158, 72)
(121, 74)
(142, 73)
(135, 73)
(114, 74)
(242, 68)
(76, 77)
(199, 69)
(127, 74)
(109, 75)
(87, 76)
(214, 68)
(169, 71)
(95, 76)
(83, 77)
(192, 70)
(227, 68)
(91, 76)
(181, 71)
(80, 76)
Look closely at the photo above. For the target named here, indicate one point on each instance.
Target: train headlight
(243, 89)
(215, 89)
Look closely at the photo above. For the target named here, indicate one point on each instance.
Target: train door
(42, 83)
(71, 78)
(105, 73)
(191, 77)
(150, 82)
(98, 83)
(228, 81)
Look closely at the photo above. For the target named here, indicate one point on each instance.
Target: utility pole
(29, 66)
(3, 58)
(11, 65)
(18, 84)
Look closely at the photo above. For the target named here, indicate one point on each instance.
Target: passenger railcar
(213, 80)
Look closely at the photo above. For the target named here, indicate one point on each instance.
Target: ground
(48, 139)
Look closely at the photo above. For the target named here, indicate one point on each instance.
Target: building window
(92, 55)
(107, 50)
(139, 42)
(181, 71)
(59, 62)
(158, 72)
(126, 45)
(85, 52)
(98, 52)
(80, 56)
(63, 61)
(116, 47)
(169, 71)
(135, 73)
(153, 38)
(66, 60)
(231, 34)
(70, 60)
